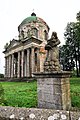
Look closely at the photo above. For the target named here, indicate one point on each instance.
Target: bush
(1, 95)
(1, 75)
(74, 73)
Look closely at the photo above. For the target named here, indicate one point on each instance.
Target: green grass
(23, 94)
(75, 92)
(20, 94)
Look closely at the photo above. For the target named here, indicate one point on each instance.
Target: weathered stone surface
(52, 63)
(53, 90)
(12, 113)
(75, 115)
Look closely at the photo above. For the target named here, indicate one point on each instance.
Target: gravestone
(53, 85)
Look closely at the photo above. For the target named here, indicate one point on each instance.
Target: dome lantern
(33, 14)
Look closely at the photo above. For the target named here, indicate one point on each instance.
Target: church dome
(29, 20)
(33, 26)
(32, 18)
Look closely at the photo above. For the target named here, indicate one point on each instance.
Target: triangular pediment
(13, 43)
(32, 40)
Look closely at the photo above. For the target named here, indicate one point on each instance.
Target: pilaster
(38, 60)
(32, 60)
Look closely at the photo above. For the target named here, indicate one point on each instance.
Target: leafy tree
(70, 37)
(70, 52)
(78, 16)
(66, 60)
(77, 35)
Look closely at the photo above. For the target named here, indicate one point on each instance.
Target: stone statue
(22, 33)
(52, 60)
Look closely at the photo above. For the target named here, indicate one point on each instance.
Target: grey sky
(57, 13)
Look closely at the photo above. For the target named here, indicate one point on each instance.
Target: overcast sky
(57, 13)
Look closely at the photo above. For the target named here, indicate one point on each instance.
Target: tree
(77, 37)
(71, 48)
(66, 60)
(1, 75)
(78, 16)
(70, 52)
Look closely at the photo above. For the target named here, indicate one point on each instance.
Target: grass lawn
(23, 94)
(75, 92)
(20, 94)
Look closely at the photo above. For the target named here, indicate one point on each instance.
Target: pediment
(13, 44)
(32, 40)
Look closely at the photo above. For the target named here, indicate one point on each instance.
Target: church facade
(26, 55)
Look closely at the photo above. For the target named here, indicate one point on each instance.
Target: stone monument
(53, 85)
(52, 59)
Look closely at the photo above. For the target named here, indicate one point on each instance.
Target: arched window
(35, 32)
(36, 59)
(45, 35)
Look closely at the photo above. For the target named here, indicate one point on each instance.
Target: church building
(26, 55)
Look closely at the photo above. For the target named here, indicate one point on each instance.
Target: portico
(22, 63)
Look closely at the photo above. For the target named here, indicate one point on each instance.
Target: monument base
(53, 90)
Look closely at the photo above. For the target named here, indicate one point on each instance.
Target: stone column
(9, 65)
(12, 66)
(32, 60)
(27, 66)
(22, 64)
(5, 66)
(18, 67)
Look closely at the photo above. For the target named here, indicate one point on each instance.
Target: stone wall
(12, 113)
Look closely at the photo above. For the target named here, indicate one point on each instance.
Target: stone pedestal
(53, 90)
